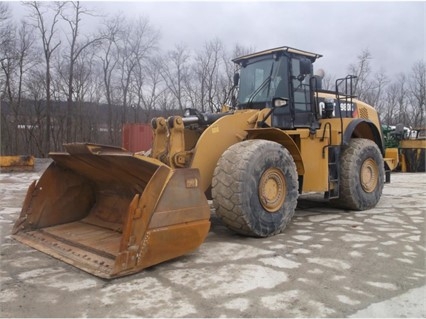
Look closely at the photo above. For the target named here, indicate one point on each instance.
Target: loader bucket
(112, 213)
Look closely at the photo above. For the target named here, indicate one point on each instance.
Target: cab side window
(282, 80)
(300, 88)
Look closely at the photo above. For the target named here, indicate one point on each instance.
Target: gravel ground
(328, 263)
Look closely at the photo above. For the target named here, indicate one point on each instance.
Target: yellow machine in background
(408, 144)
(412, 152)
(16, 163)
(111, 212)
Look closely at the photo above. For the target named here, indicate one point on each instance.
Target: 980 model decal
(347, 106)
(329, 108)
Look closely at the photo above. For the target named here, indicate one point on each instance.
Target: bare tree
(34, 119)
(14, 64)
(7, 51)
(86, 90)
(175, 72)
(375, 96)
(73, 20)
(396, 102)
(26, 60)
(362, 71)
(48, 30)
(8, 65)
(109, 58)
(139, 41)
(4, 12)
(145, 89)
(6, 27)
(207, 68)
(27, 55)
(417, 88)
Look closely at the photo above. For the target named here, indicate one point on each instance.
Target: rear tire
(255, 188)
(361, 175)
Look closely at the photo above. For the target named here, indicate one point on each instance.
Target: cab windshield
(258, 81)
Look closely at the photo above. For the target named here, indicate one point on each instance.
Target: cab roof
(312, 56)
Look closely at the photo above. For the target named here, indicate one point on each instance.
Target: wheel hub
(272, 190)
(369, 175)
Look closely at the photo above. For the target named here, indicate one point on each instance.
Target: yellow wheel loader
(111, 212)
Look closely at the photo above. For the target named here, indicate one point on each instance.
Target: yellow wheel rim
(272, 190)
(369, 175)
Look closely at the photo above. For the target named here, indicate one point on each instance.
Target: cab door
(298, 112)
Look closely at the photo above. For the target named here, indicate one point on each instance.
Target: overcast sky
(393, 32)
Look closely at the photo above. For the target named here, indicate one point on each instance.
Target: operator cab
(281, 79)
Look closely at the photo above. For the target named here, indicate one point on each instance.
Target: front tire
(361, 175)
(255, 188)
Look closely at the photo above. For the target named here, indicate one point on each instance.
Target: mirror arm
(262, 123)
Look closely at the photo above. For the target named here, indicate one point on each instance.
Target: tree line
(59, 84)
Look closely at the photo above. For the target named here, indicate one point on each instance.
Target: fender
(363, 128)
(216, 139)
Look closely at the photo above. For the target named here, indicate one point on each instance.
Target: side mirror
(278, 102)
(305, 66)
(236, 78)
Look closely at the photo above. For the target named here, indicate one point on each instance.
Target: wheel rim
(272, 190)
(369, 175)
